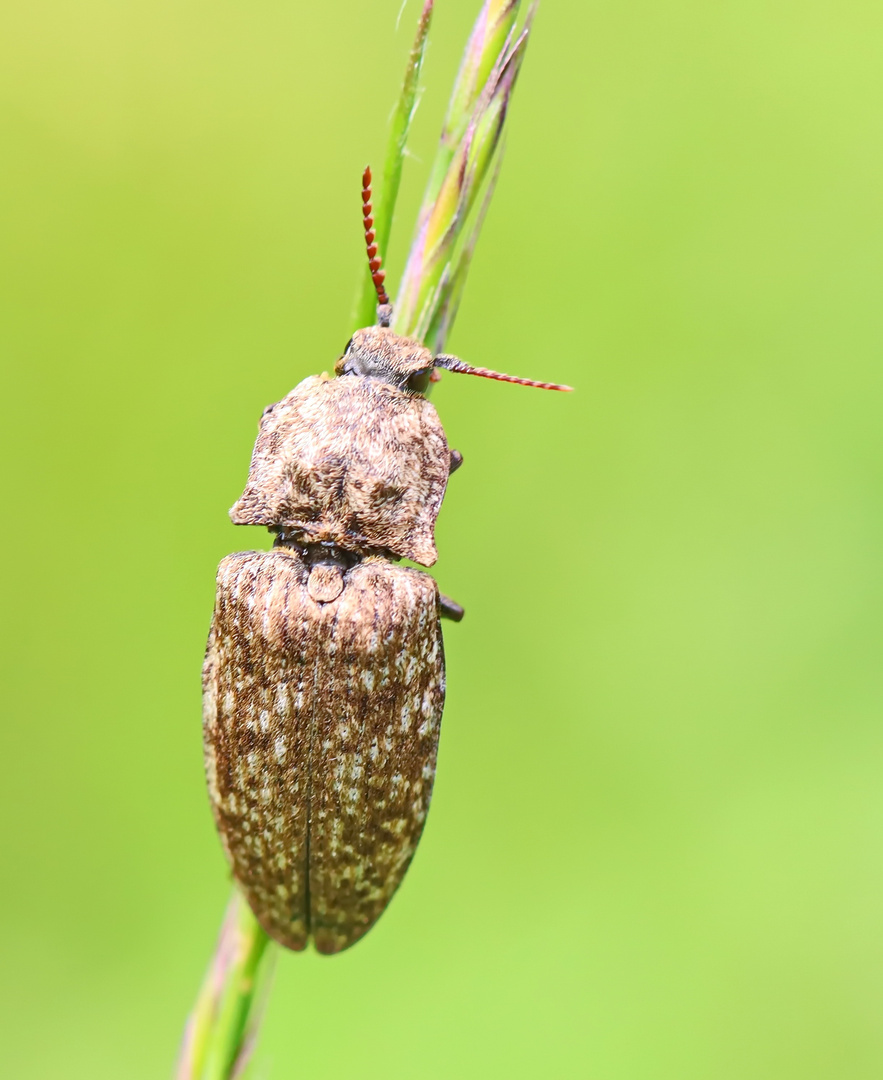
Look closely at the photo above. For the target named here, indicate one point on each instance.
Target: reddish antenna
(374, 260)
(453, 363)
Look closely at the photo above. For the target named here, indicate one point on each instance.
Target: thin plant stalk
(399, 130)
(220, 1031)
(453, 283)
(487, 42)
(222, 1028)
(431, 269)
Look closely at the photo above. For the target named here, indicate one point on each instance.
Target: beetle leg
(450, 609)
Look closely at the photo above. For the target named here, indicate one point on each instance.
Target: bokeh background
(656, 844)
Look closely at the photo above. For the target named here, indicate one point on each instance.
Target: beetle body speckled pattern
(322, 723)
(324, 679)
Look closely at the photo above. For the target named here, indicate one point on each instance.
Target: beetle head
(377, 352)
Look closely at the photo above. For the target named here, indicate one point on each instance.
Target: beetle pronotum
(324, 674)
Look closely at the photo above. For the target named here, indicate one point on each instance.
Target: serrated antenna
(454, 363)
(375, 262)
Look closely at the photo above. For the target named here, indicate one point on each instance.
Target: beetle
(324, 676)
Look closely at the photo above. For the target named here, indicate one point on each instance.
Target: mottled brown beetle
(324, 674)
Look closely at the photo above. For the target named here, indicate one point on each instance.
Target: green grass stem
(385, 198)
(443, 226)
(223, 1026)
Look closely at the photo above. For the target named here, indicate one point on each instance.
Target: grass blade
(400, 127)
(217, 1039)
(431, 258)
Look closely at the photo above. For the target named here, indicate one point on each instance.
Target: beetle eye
(346, 347)
(419, 381)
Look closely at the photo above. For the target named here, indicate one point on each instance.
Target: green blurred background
(656, 844)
